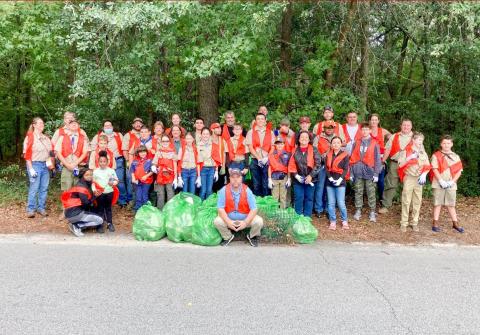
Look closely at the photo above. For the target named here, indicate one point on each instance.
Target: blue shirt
(235, 215)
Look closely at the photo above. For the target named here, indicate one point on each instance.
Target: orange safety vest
(195, 155)
(358, 134)
(276, 164)
(443, 165)
(116, 192)
(320, 128)
(267, 140)
(243, 206)
(109, 157)
(67, 146)
(380, 138)
(166, 172)
(368, 157)
(323, 145)
(218, 152)
(292, 164)
(69, 202)
(402, 170)
(140, 172)
(332, 164)
(134, 140)
(396, 145)
(225, 133)
(240, 148)
(289, 143)
(29, 148)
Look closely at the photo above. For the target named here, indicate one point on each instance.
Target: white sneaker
(373, 217)
(357, 215)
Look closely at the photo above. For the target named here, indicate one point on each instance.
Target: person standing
(365, 166)
(177, 140)
(260, 141)
(237, 153)
(394, 147)
(199, 125)
(144, 140)
(165, 166)
(446, 170)
(380, 135)
(104, 181)
(188, 165)
(413, 167)
(305, 124)
(337, 165)
(37, 152)
(176, 120)
(218, 155)
(227, 127)
(158, 130)
(208, 171)
(141, 173)
(318, 129)
(351, 131)
(72, 151)
(278, 180)
(130, 140)
(237, 210)
(67, 117)
(287, 135)
(304, 166)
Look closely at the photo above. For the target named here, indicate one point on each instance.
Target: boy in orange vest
(446, 170)
(141, 174)
(365, 166)
(278, 180)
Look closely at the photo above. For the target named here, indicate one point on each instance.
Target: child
(208, 172)
(165, 166)
(94, 155)
(278, 180)
(104, 181)
(446, 170)
(141, 176)
(188, 167)
(237, 151)
(413, 167)
(337, 166)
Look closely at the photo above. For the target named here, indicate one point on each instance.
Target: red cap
(329, 124)
(214, 125)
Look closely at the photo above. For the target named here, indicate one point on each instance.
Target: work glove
(375, 179)
(338, 181)
(198, 182)
(300, 179)
(154, 169)
(174, 184)
(215, 176)
(288, 183)
(32, 173)
(443, 184)
(352, 178)
(270, 183)
(330, 179)
(422, 179)
(450, 183)
(180, 181)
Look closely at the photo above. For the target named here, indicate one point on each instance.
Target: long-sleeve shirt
(362, 170)
(301, 161)
(343, 164)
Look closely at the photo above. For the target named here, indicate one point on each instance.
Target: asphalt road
(52, 285)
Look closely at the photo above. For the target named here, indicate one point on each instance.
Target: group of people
(309, 168)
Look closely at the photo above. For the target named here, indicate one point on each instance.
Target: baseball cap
(214, 125)
(329, 124)
(137, 119)
(234, 171)
(328, 108)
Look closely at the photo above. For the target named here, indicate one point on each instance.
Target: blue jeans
(189, 177)
(206, 174)
(381, 183)
(320, 198)
(129, 187)
(336, 196)
(38, 186)
(303, 198)
(120, 171)
(259, 179)
(141, 195)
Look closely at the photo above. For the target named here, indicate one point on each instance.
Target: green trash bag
(149, 224)
(211, 201)
(204, 231)
(303, 230)
(179, 213)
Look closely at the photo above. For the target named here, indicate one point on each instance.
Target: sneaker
(383, 210)
(345, 225)
(436, 229)
(373, 216)
(252, 240)
(459, 229)
(403, 229)
(357, 215)
(227, 242)
(43, 213)
(111, 227)
(415, 228)
(333, 225)
(100, 229)
(30, 215)
(75, 230)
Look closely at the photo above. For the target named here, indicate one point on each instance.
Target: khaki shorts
(444, 197)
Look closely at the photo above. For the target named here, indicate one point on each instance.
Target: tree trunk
(208, 99)
(344, 30)
(285, 43)
(364, 51)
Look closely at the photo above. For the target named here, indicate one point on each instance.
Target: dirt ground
(386, 230)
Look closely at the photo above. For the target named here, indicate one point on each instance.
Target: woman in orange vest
(37, 152)
(381, 135)
(278, 180)
(304, 166)
(337, 166)
(94, 155)
(208, 171)
(446, 170)
(141, 176)
(158, 130)
(165, 166)
(188, 165)
(78, 204)
(413, 167)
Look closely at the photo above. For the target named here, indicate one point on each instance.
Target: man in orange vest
(237, 210)
(227, 127)
(328, 117)
(395, 145)
(365, 166)
(130, 139)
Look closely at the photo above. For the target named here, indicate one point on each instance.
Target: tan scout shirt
(112, 144)
(41, 147)
(414, 170)
(451, 159)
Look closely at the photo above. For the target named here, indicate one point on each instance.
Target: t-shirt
(235, 215)
(102, 177)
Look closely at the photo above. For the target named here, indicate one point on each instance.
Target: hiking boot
(415, 228)
(373, 216)
(403, 229)
(30, 215)
(43, 213)
(111, 227)
(100, 229)
(225, 243)
(383, 210)
(252, 240)
(357, 215)
(75, 230)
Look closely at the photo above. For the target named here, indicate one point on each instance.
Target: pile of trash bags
(185, 218)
